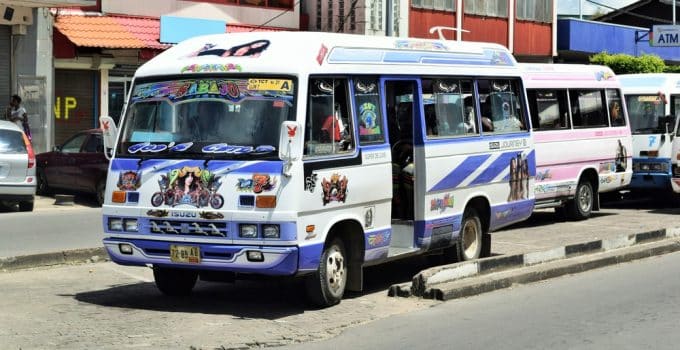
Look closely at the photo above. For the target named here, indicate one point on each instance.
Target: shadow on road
(270, 299)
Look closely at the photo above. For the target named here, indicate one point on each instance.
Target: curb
(426, 283)
(55, 258)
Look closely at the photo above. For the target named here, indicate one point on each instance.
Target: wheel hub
(335, 270)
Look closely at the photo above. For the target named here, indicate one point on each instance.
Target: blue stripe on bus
(498, 166)
(453, 179)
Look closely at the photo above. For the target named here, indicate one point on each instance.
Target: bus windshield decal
(232, 89)
(237, 149)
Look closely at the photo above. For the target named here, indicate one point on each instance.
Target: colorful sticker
(251, 49)
(158, 213)
(233, 89)
(129, 180)
(519, 178)
(603, 75)
(270, 85)
(190, 186)
(368, 216)
(420, 45)
(210, 215)
(258, 183)
(441, 204)
(379, 239)
(544, 175)
(334, 190)
(368, 119)
(211, 68)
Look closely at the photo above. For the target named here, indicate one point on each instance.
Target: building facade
(97, 49)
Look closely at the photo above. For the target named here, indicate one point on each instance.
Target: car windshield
(207, 117)
(644, 112)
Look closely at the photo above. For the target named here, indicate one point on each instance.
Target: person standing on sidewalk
(16, 113)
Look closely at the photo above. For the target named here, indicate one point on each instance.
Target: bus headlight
(115, 224)
(131, 225)
(247, 231)
(271, 231)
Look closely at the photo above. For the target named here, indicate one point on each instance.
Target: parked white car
(17, 167)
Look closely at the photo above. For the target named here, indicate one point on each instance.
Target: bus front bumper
(660, 181)
(276, 261)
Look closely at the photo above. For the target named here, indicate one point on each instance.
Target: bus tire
(326, 286)
(174, 282)
(470, 245)
(581, 206)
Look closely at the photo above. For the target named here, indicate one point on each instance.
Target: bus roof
(558, 75)
(315, 52)
(650, 83)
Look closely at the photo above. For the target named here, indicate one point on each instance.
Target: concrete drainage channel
(455, 281)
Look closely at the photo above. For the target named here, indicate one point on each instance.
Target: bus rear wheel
(326, 286)
(471, 242)
(581, 206)
(174, 282)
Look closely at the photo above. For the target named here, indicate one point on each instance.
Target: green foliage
(627, 64)
(672, 69)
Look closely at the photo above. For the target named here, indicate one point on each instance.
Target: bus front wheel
(174, 282)
(326, 286)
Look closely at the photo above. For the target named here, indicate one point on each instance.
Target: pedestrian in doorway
(16, 113)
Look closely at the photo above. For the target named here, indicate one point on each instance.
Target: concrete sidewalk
(543, 248)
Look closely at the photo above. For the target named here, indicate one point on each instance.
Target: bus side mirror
(290, 144)
(109, 135)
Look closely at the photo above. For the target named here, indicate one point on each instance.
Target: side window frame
(362, 111)
(563, 110)
(437, 126)
(517, 88)
(604, 114)
(320, 141)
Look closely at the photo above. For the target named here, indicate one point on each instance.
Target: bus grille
(188, 228)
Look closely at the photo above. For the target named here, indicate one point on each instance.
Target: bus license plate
(185, 254)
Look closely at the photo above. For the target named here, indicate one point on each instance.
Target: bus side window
(615, 108)
(449, 109)
(549, 109)
(367, 107)
(587, 109)
(329, 128)
(500, 102)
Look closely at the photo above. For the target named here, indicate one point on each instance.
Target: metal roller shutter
(5, 68)
(74, 94)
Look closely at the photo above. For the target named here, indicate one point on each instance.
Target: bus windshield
(207, 118)
(644, 112)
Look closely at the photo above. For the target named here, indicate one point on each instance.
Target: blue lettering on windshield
(155, 148)
(652, 141)
(236, 149)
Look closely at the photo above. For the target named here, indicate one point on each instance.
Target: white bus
(581, 133)
(315, 154)
(653, 102)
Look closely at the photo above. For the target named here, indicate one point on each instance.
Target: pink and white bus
(582, 135)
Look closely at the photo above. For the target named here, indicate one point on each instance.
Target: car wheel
(101, 192)
(42, 187)
(26, 206)
(174, 282)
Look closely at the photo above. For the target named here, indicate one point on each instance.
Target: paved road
(629, 306)
(105, 306)
(49, 228)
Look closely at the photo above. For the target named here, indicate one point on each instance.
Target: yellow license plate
(185, 254)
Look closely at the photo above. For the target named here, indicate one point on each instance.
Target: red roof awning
(112, 32)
